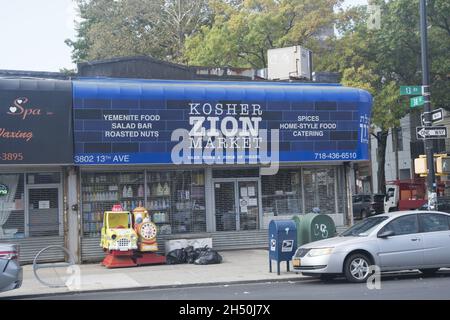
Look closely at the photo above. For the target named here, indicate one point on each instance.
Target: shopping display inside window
(175, 199)
(281, 193)
(102, 190)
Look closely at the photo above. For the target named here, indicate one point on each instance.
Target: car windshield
(363, 228)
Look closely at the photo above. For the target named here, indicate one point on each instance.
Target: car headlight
(319, 252)
(113, 237)
(133, 237)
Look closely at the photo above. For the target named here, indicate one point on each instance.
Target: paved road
(398, 286)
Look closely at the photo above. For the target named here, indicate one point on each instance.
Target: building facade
(36, 145)
(200, 155)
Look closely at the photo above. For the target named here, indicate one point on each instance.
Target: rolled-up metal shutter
(29, 248)
(231, 240)
(91, 250)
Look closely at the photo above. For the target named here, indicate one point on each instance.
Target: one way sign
(431, 132)
(436, 115)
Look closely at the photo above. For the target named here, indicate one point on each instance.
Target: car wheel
(429, 272)
(356, 268)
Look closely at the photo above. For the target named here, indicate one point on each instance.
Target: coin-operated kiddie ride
(118, 238)
(129, 239)
(146, 231)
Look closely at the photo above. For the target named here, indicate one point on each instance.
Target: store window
(282, 193)
(43, 178)
(177, 200)
(100, 191)
(320, 189)
(236, 173)
(12, 209)
(30, 205)
(298, 191)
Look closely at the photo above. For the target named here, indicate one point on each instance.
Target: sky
(32, 33)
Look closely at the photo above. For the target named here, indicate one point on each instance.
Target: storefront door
(236, 203)
(43, 211)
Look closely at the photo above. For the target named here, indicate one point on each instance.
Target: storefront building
(214, 159)
(36, 145)
(208, 159)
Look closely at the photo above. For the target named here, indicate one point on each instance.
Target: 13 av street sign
(436, 116)
(417, 101)
(411, 90)
(431, 132)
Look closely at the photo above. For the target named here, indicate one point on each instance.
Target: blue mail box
(282, 242)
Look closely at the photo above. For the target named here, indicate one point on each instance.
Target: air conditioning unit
(289, 63)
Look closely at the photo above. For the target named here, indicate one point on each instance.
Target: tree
(382, 60)
(243, 31)
(136, 27)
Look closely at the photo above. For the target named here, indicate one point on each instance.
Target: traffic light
(420, 165)
(443, 164)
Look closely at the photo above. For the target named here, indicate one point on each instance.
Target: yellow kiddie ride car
(117, 232)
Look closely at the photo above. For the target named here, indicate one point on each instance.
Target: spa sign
(35, 122)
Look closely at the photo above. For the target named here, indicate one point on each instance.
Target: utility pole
(428, 143)
(395, 147)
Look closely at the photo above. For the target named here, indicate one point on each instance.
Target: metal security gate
(237, 204)
(248, 239)
(43, 217)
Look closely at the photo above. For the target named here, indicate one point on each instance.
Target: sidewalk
(237, 266)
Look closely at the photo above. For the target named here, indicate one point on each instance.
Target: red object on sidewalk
(144, 258)
(118, 259)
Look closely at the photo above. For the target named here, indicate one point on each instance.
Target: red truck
(408, 194)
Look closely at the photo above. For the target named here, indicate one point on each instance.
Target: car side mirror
(385, 234)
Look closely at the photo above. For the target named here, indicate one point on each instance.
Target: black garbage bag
(200, 251)
(208, 256)
(176, 256)
(191, 254)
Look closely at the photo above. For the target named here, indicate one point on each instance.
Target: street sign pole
(428, 143)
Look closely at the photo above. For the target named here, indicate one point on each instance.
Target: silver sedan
(392, 241)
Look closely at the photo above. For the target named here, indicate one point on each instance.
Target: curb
(298, 278)
(158, 287)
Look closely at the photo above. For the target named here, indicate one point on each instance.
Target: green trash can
(314, 227)
(298, 222)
